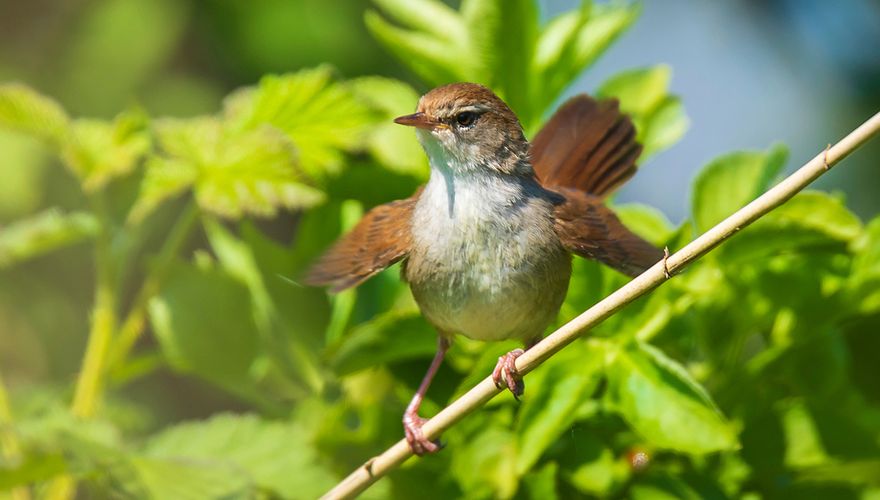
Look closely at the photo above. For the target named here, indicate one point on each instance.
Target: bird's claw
(505, 373)
(418, 443)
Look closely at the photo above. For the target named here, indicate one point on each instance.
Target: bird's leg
(412, 422)
(505, 372)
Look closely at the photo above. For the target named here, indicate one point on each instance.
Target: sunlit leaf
(646, 221)
(24, 110)
(393, 145)
(275, 456)
(864, 281)
(430, 16)
(664, 404)
(393, 336)
(43, 233)
(235, 173)
(320, 116)
(810, 219)
(643, 93)
(730, 182)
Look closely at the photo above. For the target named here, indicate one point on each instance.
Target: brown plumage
(487, 242)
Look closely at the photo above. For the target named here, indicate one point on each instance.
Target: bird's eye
(465, 118)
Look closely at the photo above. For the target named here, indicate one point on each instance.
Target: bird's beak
(418, 120)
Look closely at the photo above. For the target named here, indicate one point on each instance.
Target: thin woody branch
(377, 467)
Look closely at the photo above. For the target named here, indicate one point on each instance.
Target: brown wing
(588, 228)
(379, 240)
(587, 145)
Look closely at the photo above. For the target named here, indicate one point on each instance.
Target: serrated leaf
(663, 127)
(24, 110)
(394, 146)
(275, 456)
(731, 181)
(237, 173)
(204, 324)
(663, 403)
(182, 479)
(98, 151)
(164, 178)
(43, 233)
(321, 117)
(811, 218)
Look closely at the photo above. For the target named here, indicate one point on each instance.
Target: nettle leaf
(205, 326)
(98, 151)
(24, 110)
(321, 117)
(731, 181)
(811, 218)
(44, 232)
(394, 146)
(183, 479)
(864, 281)
(663, 403)
(275, 456)
(232, 173)
(644, 94)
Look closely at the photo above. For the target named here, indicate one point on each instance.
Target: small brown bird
(486, 244)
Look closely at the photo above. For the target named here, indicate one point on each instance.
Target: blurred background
(802, 72)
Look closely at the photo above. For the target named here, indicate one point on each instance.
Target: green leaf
(181, 478)
(559, 389)
(730, 182)
(394, 146)
(640, 90)
(321, 117)
(164, 178)
(504, 34)
(24, 110)
(541, 484)
(810, 219)
(205, 326)
(646, 221)
(390, 337)
(98, 151)
(604, 24)
(643, 93)
(663, 403)
(429, 16)
(43, 233)
(275, 456)
(248, 172)
(863, 286)
(437, 61)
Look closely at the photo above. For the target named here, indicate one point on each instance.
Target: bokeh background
(750, 73)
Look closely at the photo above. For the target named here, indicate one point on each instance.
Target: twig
(378, 466)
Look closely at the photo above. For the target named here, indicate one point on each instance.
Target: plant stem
(133, 325)
(370, 472)
(9, 445)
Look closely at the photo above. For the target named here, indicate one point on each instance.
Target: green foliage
(750, 374)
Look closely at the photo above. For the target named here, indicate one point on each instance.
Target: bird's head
(466, 127)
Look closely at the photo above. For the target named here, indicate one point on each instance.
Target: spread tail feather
(587, 145)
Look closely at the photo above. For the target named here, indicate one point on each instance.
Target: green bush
(751, 374)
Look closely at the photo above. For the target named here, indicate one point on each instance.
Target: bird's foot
(505, 373)
(418, 443)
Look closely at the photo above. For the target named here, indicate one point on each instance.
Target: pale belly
(501, 290)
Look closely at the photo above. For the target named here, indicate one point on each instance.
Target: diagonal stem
(375, 468)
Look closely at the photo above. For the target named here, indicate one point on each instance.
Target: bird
(486, 244)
